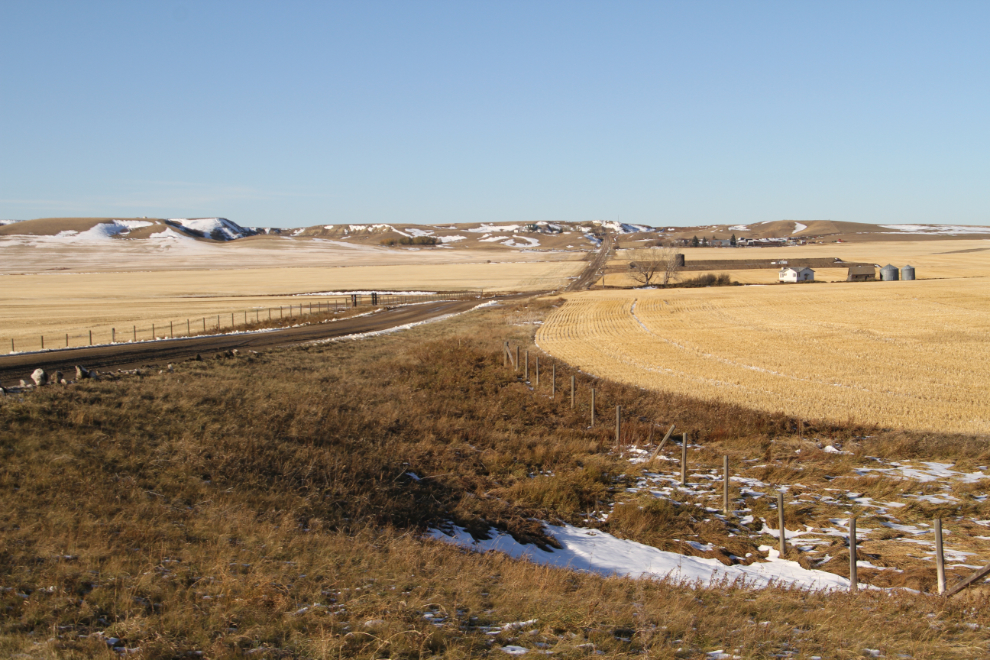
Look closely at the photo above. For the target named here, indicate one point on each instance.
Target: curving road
(595, 267)
(157, 353)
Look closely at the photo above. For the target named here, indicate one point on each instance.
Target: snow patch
(595, 551)
(216, 228)
(948, 230)
(798, 227)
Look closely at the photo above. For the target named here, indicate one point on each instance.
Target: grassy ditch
(271, 504)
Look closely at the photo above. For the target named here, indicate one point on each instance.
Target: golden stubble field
(898, 354)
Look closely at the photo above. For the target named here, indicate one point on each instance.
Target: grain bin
(888, 273)
(907, 273)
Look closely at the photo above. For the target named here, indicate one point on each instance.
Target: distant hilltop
(542, 235)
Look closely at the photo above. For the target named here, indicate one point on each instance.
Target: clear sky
(668, 113)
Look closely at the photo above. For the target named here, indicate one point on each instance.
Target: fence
(227, 321)
(519, 361)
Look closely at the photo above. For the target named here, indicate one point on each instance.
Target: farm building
(861, 274)
(796, 275)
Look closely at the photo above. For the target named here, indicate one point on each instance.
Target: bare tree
(660, 263)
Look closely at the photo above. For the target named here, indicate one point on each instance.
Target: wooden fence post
(939, 556)
(67, 340)
(113, 335)
(853, 575)
(505, 354)
(171, 331)
(618, 425)
(684, 445)
(42, 342)
(592, 407)
(12, 344)
(517, 359)
(537, 370)
(527, 366)
(553, 380)
(135, 332)
(153, 331)
(204, 324)
(780, 523)
(725, 484)
(90, 337)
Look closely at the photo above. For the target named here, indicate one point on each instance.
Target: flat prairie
(906, 355)
(59, 303)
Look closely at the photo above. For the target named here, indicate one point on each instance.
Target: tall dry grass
(265, 506)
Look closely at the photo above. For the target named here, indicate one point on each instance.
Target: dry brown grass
(263, 504)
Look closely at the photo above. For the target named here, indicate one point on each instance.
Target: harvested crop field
(56, 304)
(906, 355)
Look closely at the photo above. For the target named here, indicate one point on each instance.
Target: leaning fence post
(684, 445)
(725, 484)
(939, 556)
(592, 407)
(853, 576)
(780, 523)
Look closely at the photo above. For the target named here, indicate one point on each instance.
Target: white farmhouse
(796, 275)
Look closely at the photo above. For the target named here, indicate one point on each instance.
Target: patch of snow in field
(171, 235)
(514, 242)
(739, 228)
(598, 552)
(418, 232)
(379, 226)
(931, 471)
(100, 231)
(8, 222)
(799, 227)
(488, 229)
(949, 230)
(451, 239)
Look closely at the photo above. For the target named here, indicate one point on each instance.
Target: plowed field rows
(898, 354)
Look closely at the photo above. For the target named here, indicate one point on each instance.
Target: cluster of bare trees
(657, 265)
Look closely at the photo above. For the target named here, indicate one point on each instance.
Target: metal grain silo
(907, 273)
(888, 273)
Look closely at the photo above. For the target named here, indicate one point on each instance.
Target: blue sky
(668, 113)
